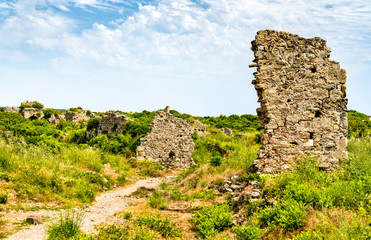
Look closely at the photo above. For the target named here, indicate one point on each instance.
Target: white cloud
(180, 41)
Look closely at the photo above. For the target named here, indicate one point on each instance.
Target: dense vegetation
(62, 164)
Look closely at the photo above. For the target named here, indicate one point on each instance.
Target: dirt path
(105, 205)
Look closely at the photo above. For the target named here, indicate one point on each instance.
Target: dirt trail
(107, 204)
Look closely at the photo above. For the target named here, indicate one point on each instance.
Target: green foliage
(165, 227)
(23, 106)
(2, 109)
(287, 213)
(216, 161)
(67, 227)
(248, 232)
(50, 111)
(4, 196)
(112, 232)
(307, 236)
(238, 153)
(244, 123)
(209, 221)
(157, 200)
(93, 123)
(37, 105)
(86, 193)
(359, 124)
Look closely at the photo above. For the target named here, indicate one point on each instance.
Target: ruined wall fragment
(112, 122)
(169, 143)
(303, 105)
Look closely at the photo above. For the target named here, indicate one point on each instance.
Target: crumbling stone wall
(81, 115)
(303, 105)
(112, 122)
(11, 109)
(169, 142)
(33, 113)
(199, 128)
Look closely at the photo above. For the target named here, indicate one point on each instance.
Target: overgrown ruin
(303, 105)
(112, 122)
(169, 143)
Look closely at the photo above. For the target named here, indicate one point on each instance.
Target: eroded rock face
(303, 105)
(169, 142)
(112, 122)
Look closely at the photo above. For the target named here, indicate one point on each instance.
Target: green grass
(67, 227)
(238, 153)
(71, 175)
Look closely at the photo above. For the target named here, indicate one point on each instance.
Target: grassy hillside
(59, 166)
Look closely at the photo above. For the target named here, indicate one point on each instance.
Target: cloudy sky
(193, 55)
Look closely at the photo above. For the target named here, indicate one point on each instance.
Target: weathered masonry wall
(169, 142)
(303, 105)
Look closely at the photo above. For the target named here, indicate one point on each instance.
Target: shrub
(209, 221)
(37, 105)
(288, 214)
(23, 106)
(303, 193)
(176, 194)
(4, 196)
(157, 200)
(50, 111)
(164, 226)
(216, 161)
(2, 109)
(307, 236)
(112, 232)
(85, 193)
(66, 227)
(247, 232)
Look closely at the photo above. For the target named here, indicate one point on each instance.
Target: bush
(4, 196)
(247, 232)
(93, 123)
(37, 105)
(66, 227)
(164, 226)
(2, 109)
(112, 232)
(209, 221)
(50, 111)
(303, 193)
(23, 106)
(307, 236)
(216, 161)
(288, 214)
(85, 193)
(157, 200)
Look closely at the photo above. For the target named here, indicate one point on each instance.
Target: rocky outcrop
(112, 122)
(303, 105)
(227, 131)
(169, 143)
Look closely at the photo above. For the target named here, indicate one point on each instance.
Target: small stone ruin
(79, 115)
(11, 109)
(169, 143)
(303, 105)
(112, 122)
(199, 128)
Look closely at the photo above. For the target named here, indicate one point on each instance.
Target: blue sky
(143, 55)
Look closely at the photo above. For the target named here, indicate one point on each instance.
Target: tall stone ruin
(169, 143)
(303, 105)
